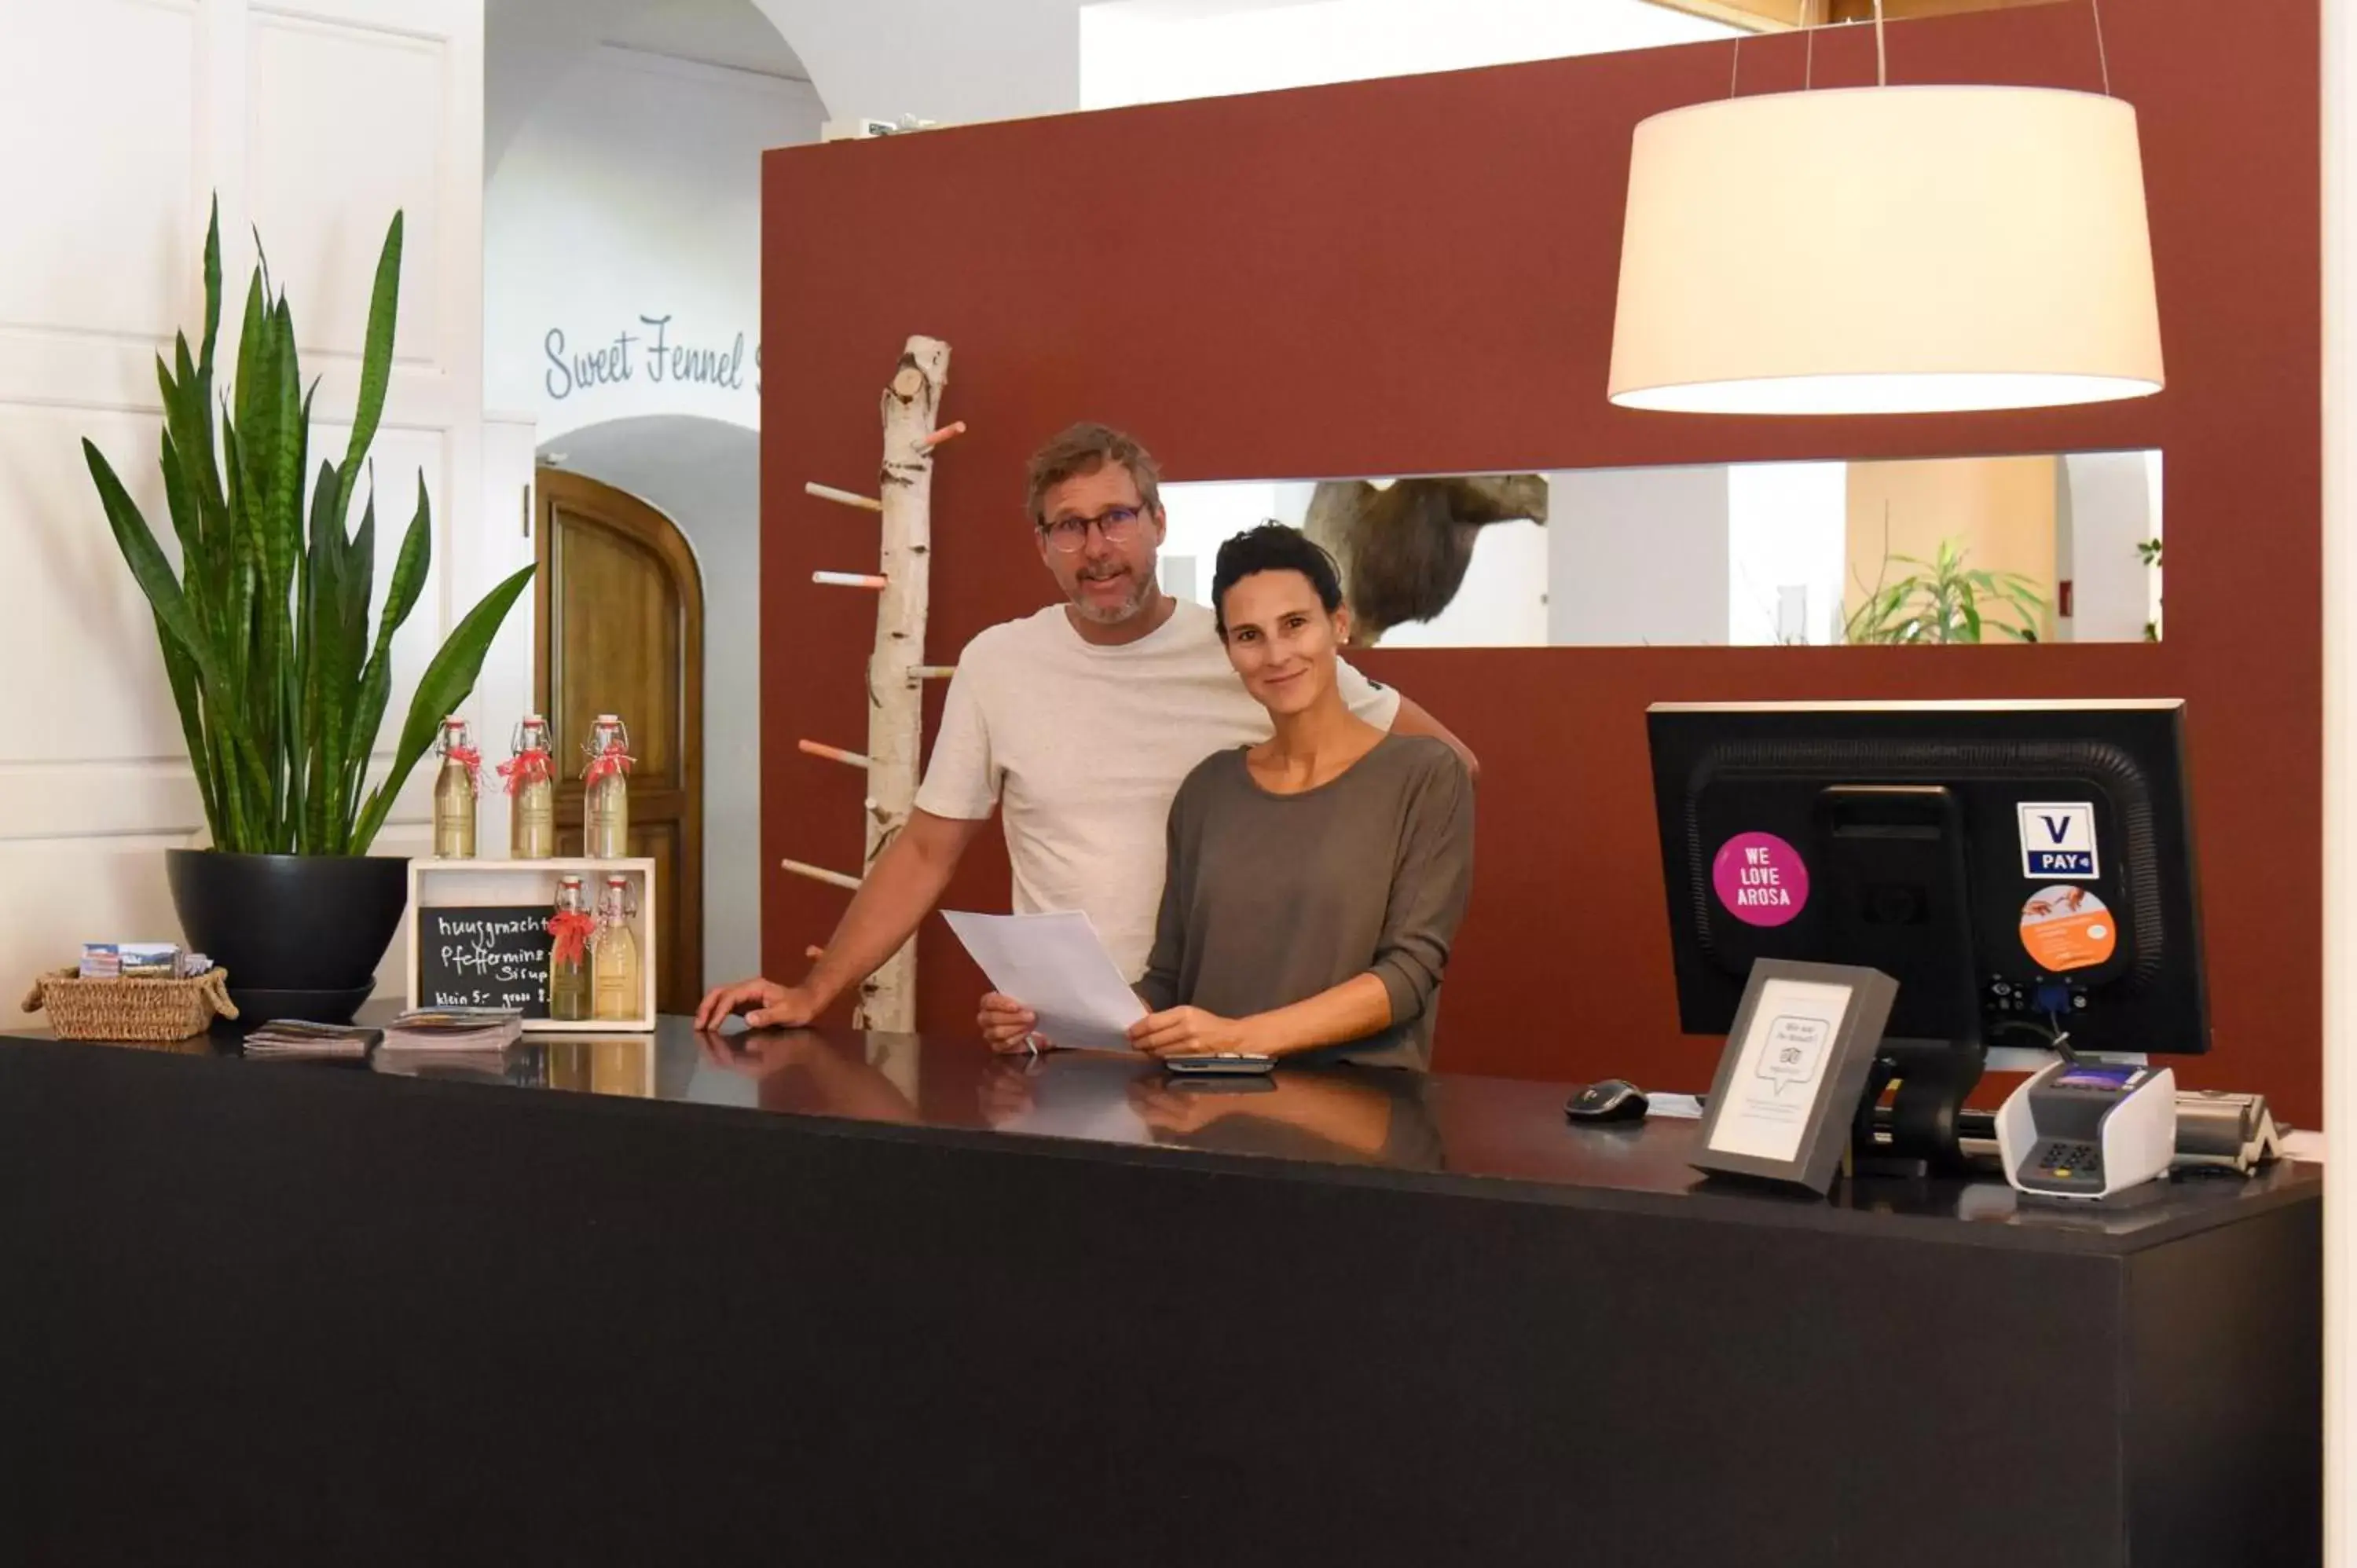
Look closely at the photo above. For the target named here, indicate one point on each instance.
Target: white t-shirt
(1083, 746)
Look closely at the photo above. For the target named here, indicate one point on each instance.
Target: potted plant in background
(2148, 550)
(1943, 601)
(280, 686)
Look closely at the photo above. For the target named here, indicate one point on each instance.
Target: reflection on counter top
(1339, 1118)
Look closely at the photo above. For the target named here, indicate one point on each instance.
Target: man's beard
(1110, 615)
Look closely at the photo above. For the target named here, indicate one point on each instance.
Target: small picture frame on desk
(1786, 1094)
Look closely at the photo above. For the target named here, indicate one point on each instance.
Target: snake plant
(281, 687)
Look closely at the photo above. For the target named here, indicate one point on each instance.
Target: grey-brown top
(1271, 899)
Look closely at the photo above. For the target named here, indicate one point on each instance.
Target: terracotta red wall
(1417, 274)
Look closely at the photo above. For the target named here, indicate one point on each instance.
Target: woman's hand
(1006, 1092)
(1188, 1032)
(1176, 1111)
(1007, 1025)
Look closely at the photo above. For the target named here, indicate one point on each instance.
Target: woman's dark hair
(1273, 547)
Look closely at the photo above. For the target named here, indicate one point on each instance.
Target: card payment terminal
(2089, 1129)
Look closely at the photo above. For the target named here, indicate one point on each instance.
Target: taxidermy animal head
(1403, 549)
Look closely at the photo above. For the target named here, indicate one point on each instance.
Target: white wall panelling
(340, 82)
(312, 119)
(128, 176)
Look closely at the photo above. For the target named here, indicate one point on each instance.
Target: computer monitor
(2023, 870)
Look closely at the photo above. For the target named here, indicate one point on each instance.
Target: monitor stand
(1933, 1077)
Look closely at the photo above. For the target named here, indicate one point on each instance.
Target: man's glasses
(1070, 534)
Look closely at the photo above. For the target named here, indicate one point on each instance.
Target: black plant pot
(300, 934)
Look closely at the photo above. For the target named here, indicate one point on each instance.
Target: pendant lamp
(1886, 250)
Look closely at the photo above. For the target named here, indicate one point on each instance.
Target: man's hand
(893, 898)
(765, 1003)
(1005, 1024)
(757, 1056)
(1412, 719)
(1187, 1032)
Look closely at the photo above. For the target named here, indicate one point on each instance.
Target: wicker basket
(135, 1010)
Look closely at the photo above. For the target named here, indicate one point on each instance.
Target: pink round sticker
(1761, 879)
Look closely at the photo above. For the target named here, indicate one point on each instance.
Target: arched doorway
(704, 476)
(620, 630)
(621, 224)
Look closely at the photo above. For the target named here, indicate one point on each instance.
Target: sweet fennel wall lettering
(657, 351)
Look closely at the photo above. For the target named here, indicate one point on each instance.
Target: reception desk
(834, 1299)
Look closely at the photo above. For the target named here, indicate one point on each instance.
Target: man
(1078, 722)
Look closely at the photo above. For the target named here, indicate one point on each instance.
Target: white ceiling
(1147, 51)
(711, 32)
(531, 47)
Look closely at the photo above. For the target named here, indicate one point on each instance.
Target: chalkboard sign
(484, 955)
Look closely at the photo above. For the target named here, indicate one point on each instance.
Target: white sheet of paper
(1056, 965)
(1782, 1070)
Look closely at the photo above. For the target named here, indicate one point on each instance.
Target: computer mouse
(1611, 1100)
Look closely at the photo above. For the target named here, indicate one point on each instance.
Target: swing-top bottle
(531, 792)
(455, 792)
(606, 791)
(614, 955)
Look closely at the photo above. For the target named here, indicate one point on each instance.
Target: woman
(1315, 881)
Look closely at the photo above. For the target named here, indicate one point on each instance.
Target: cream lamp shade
(1886, 250)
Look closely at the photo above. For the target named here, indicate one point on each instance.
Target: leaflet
(1056, 965)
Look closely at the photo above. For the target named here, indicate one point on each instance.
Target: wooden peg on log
(847, 498)
(821, 873)
(851, 580)
(834, 753)
(945, 434)
(931, 672)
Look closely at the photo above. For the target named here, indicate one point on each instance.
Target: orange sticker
(2068, 927)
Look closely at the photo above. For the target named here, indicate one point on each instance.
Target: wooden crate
(470, 884)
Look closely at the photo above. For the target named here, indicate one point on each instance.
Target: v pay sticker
(2065, 929)
(2058, 839)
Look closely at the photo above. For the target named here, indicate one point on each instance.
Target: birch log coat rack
(896, 670)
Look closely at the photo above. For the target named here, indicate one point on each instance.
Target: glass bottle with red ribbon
(570, 926)
(530, 776)
(455, 789)
(606, 791)
(614, 955)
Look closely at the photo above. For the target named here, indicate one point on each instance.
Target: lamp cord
(1882, 55)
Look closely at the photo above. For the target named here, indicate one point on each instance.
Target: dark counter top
(682, 1298)
(1498, 1138)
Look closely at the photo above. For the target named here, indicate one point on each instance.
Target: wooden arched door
(621, 631)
